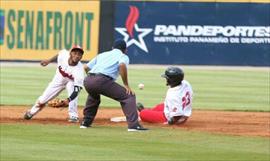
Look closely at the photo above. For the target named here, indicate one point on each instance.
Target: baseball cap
(120, 44)
(77, 47)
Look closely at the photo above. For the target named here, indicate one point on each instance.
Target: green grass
(56, 142)
(217, 89)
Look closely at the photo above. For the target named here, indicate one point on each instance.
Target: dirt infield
(233, 123)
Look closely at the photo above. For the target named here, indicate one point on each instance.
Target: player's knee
(145, 115)
(142, 115)
(131, 96)
(41, 105)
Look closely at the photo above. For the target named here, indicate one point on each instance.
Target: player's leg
(92, 103)
(90, 110)
(128, 102)
(159, 107)
(151, 116)
(73, 105)
(50, 92)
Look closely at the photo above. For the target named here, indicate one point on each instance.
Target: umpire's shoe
(85, 124)
(27, 115)
(139, 106)
(137, 128)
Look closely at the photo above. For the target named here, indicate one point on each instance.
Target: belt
(99, 74)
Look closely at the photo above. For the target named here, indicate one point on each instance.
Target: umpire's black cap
(120, 44)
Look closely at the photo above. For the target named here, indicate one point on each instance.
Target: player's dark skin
(123, 73)
(75, 57)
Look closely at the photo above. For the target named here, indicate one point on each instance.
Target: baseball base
(120, 119)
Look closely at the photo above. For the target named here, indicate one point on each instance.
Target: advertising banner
(197, 33)
(35, 30)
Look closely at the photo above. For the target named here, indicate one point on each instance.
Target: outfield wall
(205, 32)
(35, 30)
(201, 33)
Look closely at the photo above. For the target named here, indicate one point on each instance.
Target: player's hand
(129, 91)
(177, 120)
(44, 62)
(171, 121)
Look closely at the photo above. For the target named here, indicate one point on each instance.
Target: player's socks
(34, 110)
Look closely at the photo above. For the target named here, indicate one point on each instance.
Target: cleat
(27, 115)
(85, 124)
(84, 127)
(73, 119)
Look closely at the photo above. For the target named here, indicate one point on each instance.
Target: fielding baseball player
(69, 75)
(177, 106)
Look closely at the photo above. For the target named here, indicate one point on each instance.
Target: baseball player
(69, 74)
(177, 106)
(103, 70)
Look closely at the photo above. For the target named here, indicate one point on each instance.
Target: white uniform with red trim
(178, 101)
(66, 77)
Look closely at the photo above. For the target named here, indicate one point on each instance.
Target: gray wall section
(106, 29)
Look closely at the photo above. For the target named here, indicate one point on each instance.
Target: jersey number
(185, 100)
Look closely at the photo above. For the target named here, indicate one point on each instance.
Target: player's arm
(78, 83)
(172, 117)
(86, 68)
(48, 61)
(176, 116)
(73, 95)
(124, 76)
(166, 111)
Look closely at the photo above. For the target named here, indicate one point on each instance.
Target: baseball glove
(57, 103)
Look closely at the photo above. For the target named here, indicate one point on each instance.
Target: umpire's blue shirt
(108, 63)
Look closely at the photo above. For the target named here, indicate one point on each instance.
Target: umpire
(102, 71)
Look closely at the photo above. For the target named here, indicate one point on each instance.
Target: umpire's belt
(99, 74)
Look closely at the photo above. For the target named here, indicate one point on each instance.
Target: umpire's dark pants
(98, 84)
